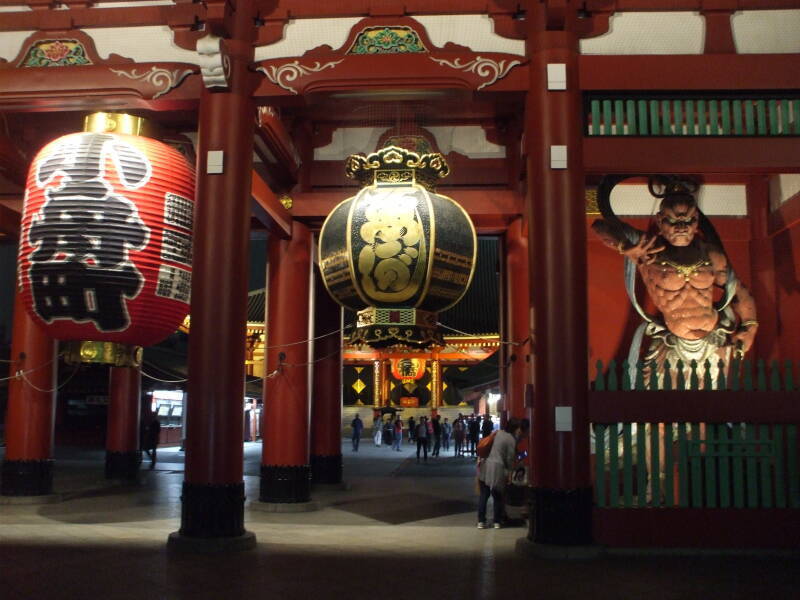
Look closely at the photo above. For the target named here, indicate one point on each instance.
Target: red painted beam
(694, 407)
(491, 210)
(275, 148)
(268, 209)
(184, 14)
(691, 155)
(684, 5)
(694, 72)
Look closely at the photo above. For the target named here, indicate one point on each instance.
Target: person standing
(398, 434)
(493, 472)
(151, 432)
(422, 438)
(447, 430)
(487, 427)
(429, 428)
(437, 435)
(473, 430)
(459, 434)
(377, 434)
(412, 430)
(358, 426)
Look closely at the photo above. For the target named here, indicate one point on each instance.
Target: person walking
(493, 472)
(447, 430)
(422, 438)
(358, 426)
(151, 432)
(398, 434)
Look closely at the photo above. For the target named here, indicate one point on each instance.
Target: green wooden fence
(699, 116)
(697, 465)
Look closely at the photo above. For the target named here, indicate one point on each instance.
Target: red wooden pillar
(213, 488)
(518, 315)
(557, 249)
(285, 468)
(28, 464)
(762, 269)
(123, 455)
(326, 410)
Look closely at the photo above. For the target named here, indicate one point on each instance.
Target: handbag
(485, 446)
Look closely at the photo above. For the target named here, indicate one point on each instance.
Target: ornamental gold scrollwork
(162, 79)
(489, 69)
(281, 75)
(392, 263)
(428, 168)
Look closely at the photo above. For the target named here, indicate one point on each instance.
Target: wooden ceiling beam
(689, 72)
(268, 210)
(184, 14)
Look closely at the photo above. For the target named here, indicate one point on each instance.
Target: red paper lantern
(106, 243)
(408, 369)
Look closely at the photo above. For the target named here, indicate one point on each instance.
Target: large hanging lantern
(397, 248)
(105, 249)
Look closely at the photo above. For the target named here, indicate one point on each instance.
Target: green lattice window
(701, 115)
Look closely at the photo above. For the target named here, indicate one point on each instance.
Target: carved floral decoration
(55, 53)
(387, 40)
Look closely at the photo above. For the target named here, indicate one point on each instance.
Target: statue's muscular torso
(680, 282)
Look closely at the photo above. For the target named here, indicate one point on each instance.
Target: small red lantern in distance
(105, 249)
(408, 369)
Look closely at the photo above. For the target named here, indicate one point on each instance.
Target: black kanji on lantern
(80, 267)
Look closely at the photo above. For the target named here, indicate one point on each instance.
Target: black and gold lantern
(397, 252)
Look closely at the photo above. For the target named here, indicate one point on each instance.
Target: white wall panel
(650, 33)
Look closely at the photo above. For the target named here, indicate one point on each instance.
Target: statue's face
(678, 225)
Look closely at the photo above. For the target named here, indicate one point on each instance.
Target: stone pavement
(401, 530)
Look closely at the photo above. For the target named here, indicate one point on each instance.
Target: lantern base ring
(107, 353)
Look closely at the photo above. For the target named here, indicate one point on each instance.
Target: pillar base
(123, 465)
(212, 511)
(326, 468)
(27, 478)
(562, 517)
(281, 484)
(525, 547)
(193, 545)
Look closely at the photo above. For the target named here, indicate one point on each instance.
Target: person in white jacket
(494, 471)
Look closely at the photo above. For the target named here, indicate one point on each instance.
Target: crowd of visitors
(431, 435)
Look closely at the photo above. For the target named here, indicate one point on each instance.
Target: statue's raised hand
(644, 252)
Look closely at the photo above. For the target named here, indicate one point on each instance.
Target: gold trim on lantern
(393, 165)
(107, 353)
(102, 122)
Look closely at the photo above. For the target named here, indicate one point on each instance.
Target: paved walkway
(402, 530)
